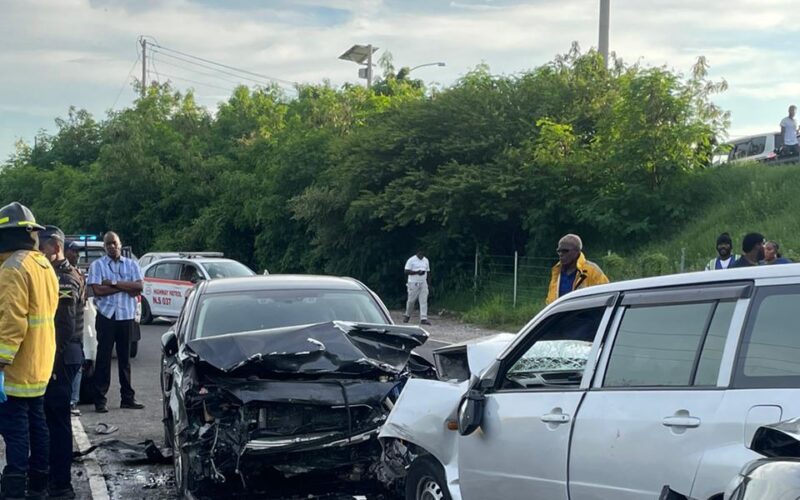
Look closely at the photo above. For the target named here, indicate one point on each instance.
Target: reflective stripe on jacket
(28, 302)
(588, 274)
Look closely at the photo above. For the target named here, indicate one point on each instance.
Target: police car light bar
(82, 237)
(191, 255)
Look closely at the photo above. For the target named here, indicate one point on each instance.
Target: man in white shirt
(789, 132)
(418, 270)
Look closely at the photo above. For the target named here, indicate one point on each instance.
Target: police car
(167, 281)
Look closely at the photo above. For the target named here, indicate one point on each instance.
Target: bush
(654, 264)
(497, 312)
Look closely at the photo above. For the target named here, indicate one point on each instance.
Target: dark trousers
(59, 422)
(24, 429)
(110, 332)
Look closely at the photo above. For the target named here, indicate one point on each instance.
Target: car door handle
(681, 422)
(556, 418)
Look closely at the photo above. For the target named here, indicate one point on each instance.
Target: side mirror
(266, 272)
(470, 412)
(169, 343)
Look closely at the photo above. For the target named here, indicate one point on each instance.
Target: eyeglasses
(563, 250)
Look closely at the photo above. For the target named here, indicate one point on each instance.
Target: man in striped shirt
(116, 282)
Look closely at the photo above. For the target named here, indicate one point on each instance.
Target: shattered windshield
(219, 314)
(553, 355)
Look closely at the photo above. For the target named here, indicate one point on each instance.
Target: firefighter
(69, 356)
(28, 301)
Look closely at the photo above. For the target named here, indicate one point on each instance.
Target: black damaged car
(274, 381)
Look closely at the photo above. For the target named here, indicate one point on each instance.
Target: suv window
(757, 145)
(558, 355)
(669, 345)
(189, 272)
(770, 352)
(167, 270)
(740, 150)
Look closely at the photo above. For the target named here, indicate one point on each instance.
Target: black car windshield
(226, 269)
(218, 314)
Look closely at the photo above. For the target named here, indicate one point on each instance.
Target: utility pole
(605, 17)
(369, 66)
(144, 66)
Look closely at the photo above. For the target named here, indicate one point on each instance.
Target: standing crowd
(43, 296)
(756, 251)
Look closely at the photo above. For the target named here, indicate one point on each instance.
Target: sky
(83, 53)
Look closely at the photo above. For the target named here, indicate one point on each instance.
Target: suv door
(649, 416)
(159, 286)
(522, 446)
(765, 385)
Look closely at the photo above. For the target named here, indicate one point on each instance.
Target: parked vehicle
(776, 477)
(150, 257)
(610, 392)
(275, 378)
(92, 249)
(759, 147)
(168, 280)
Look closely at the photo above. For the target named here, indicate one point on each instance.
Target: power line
(197, 82)
(208, 67)
(259, 75)
(126, 82)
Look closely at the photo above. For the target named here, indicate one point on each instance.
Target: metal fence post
(683, 259)
(516, 267)
(475, 277)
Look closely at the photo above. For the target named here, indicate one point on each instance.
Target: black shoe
(62, 493)
(132, 405)
(101, 408)
(406, 318)
(37, 485)
(12, 486)
(424, 322)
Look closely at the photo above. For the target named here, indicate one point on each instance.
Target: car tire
(180, 460)
(168, 429)
(134, 349)
(426, 481)
(147, 315)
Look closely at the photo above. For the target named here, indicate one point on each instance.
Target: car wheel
(134, 349)
(169, 442)
(180, 462)
(147, 315)
(425, 481)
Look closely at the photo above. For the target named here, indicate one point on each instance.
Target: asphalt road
(129, 480)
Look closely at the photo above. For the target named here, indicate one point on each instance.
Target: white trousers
(418, 291)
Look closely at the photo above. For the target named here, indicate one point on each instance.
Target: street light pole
(369, 66)
(426, 64)
(605, 21)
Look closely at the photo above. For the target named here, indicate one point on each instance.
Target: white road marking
(97, 482)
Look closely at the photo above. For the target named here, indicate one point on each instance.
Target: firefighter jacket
(588, 274)
(69, 315)
(28, 302)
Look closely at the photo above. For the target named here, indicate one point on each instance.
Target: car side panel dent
(420, 417)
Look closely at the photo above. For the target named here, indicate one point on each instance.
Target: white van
(759, 147)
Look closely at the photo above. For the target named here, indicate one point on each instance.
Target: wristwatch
(113, 282)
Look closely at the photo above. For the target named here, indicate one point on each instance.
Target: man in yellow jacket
(573, 271)
(28, 302)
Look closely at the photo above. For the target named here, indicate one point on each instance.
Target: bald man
(116, 282)
(572, 271)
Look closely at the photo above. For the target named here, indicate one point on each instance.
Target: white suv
(169, 279)
(612, 391)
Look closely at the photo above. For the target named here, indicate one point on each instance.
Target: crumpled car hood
(338, 347)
